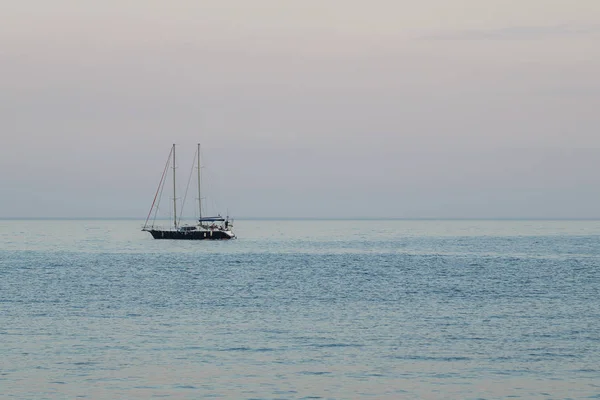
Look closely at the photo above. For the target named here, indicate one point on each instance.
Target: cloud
(517, 33)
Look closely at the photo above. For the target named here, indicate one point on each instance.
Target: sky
(312, 108)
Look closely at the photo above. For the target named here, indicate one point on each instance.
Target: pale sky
(340, 108)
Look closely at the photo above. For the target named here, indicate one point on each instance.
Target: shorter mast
(174, 193)
(199, 197)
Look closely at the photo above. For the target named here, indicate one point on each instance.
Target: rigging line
(186, 191)
(210, 205)
(158, 204)
(161, 192)
(158, 188)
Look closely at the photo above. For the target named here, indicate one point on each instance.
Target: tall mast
(174, 195)
(199, 197)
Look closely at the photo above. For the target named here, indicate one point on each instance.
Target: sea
(301, 309)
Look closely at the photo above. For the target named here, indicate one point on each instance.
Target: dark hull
(190, 235)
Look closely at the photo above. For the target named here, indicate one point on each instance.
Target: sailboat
(207, 228)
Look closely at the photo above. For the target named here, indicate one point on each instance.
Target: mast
(174, 195)
(199, 197)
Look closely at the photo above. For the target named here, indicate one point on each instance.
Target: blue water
(301, 309)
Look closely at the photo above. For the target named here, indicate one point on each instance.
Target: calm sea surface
(301, 309)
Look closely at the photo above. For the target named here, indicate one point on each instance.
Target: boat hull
(191, 235)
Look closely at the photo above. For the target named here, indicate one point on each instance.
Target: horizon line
(354, 218)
